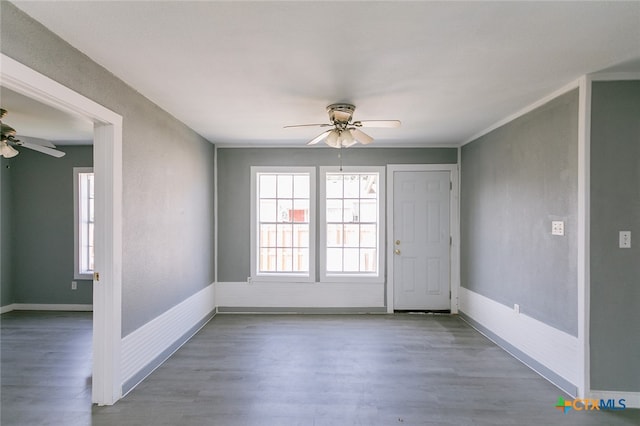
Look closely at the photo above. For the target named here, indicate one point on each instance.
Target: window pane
(351, 211)
(334, 186)
(267, 260)
(268, 210)
(300, 236)
(300, 211)
(369, 186)
(301, 186)
(285, 210)
(334, 235)
(267, 235)
(284, 235)
(368, 235)
(351, 235)
(368, 211)
(334, 259)
(351, 186)
(351, 260)
(300, 260)
(285, 186)
(368, 260)
(334, 210)
(284, 261)
(267, 185)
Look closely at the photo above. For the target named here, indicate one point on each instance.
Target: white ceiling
(237, 72)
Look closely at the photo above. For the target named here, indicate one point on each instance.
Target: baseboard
(632, 399)
(300, 295)
(46, 307)
(550, 352)
(149, 346)
(300, 310)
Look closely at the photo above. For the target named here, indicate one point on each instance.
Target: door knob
(397, 251)
(397, 242)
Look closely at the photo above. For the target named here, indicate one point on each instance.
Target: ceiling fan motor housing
(340, 113)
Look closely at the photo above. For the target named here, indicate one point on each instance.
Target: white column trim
(584, 240)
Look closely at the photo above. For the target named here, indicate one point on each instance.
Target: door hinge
(96, 276)
(449, 294)
(450, 185)
(450, 240)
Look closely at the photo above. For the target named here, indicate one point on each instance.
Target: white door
(421, 240)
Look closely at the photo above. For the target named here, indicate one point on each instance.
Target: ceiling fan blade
(43, 149)
(319, 138)
(361, 136)
(35, 141)
(308, 125)
(377, 123)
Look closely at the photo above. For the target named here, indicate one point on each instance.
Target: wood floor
(286, 370)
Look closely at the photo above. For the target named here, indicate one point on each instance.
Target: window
(83, 222)
(283, 230)
(352, 221)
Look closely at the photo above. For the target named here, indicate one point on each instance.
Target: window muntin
(284, 200)
(352, 223)
(84, 211)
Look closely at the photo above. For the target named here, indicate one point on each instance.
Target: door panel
(421, 268)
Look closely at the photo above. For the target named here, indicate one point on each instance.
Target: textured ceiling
(237, 72)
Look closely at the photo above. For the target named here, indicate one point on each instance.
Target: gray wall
(234, 172)
(167, 175)
(615, 206)
(514, 182)
(42, 227)
(6, 267)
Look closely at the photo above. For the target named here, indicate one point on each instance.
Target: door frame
(107, 164)
(454, 224)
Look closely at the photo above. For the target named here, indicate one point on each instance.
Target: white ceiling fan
(9, 140)
(345, 132)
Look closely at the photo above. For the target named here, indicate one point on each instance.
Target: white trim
(6, 308)
(454, 227)
(141, 347)
(276, 277)
(554, 349)
(632, 399)
(583, 237)
(46, 307)
(567, 88)
(76, 222)
(300, 295)
(322, 228)
(215, 213)
(107, 152)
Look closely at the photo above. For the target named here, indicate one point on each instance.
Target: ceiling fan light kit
(345, 132)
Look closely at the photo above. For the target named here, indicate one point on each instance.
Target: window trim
(322, 228)
(77, 275)
(254, 250)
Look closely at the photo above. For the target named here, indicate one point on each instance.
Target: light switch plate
(625, 239)
(557, 227)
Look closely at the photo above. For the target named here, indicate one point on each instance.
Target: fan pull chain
(340, 156)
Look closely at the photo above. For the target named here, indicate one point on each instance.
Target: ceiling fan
(345, 132)
(9, 140)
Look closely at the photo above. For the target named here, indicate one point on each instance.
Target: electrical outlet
(74, 285)
(516, 308)
(625, 239)
(557, 227)
(249, 281)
